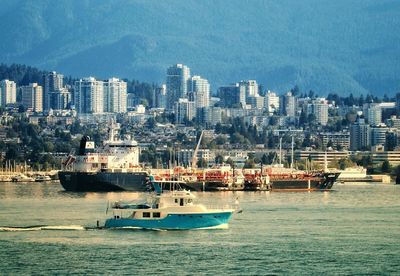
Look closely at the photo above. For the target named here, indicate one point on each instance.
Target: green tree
(386, 168)
(219, 159)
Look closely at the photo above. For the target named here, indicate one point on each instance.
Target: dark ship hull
(320, 182)
(104, 181)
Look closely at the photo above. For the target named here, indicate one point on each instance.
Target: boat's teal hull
(174, 221)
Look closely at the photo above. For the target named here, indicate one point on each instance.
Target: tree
(201, 163)
(386, 168)
(12, 152)
(295, 90)
(219, 159)
(249, 164)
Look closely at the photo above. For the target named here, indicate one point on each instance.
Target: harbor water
(353, 229)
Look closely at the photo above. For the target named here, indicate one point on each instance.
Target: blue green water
(351, 230)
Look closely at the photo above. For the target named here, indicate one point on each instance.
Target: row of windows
(148, 214)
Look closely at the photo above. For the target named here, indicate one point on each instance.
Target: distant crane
(194, 157)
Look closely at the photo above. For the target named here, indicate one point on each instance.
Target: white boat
(42, 178)
(22, 178)
(353, 174)
(168, 208)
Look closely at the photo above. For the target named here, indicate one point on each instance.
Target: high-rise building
(51, 82)
(287, 105)
(378, 134)
(8, 92)
(271, 102)
(115, 96)
(89, 96)
(201, 91)
(232, 96)
(59, 99)
(184, 110)
(360, 135)
(32, 97)
(250, 88)
(161, 96)
(256, 102)
(374, 114)
(319, 108)
(177, 83)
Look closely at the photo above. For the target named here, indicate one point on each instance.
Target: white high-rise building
(161, 96)
(201, 91)
(271, 102)
(32, 97)
(89, 96)
(374, 114)
(177, 83)
(115, 96)
(8, 92)
(250, 87)
(184, 109)
(288, 104)
(319, 108)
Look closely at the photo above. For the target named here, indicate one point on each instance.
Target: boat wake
(42, 227)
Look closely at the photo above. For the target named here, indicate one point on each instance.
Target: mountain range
(341, 46)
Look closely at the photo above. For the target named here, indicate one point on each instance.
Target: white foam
(63, 227)
(38, 228)
(221, 226)
(18, 229)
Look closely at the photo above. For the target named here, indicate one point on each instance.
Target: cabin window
(156, 215)
(146, 214)
(176, 200)
(181, 202)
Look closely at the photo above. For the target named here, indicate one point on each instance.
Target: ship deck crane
(194, 157)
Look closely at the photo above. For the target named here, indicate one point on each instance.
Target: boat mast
(291, 163)
(280, 151)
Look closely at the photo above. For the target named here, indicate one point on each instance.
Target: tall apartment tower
(319, 108)
(374, 114)
(250, 87)
(8, 92)
(184, 109)
(59, 99)
(52, 82)
(89, 96)
(115, 96)
(161, 96)
(271, 102)
(359, 135)
(201, 91)
(288, 104)
(177, 83)
(32, 97)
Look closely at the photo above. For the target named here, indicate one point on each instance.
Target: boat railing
(221, 207)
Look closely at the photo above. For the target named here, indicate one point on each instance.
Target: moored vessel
(112, 167)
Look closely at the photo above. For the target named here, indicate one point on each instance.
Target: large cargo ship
(286, 179)
(115, 167)
(112, 167)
